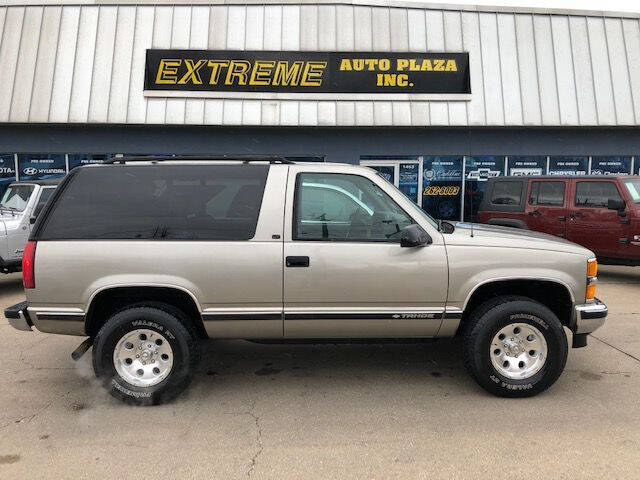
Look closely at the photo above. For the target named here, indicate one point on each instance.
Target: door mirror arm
(414, 236)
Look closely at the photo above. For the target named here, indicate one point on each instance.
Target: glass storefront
(7, 171)
(436, 184)
(477, 171)
(442, 186)
(610, 165)
(38, 166)
(80, 159)
(568, 165)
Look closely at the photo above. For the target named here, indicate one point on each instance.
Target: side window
(595, 194)
(45, 194)
(335, 207)
(160, 202)
(547, 193)
(506, 193)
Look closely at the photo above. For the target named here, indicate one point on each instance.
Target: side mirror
(414, 236)
(615, 204)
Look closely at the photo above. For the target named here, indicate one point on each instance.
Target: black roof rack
(222, 158)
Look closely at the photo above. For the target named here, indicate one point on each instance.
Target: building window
(38, 166)
(442, 186)
(80, 159)
(615, 165)
(568, 165)
(7, 171)
(527, 165)
(477, 171)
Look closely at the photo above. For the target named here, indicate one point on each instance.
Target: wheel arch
(108, 300)
(554, 294)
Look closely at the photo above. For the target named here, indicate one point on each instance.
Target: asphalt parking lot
(333, 411)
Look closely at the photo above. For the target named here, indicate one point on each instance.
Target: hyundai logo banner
(37, 167)
(211, 71)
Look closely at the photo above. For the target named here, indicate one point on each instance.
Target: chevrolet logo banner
(211, 72)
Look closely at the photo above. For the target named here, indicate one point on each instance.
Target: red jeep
(601, 213)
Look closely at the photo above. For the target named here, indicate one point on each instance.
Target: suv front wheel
(145, 355)
(514, 347)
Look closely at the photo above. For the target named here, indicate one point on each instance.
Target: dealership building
(436, 98)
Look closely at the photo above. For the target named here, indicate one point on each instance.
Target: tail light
(28, 265)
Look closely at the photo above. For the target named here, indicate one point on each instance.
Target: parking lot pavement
(332, 411)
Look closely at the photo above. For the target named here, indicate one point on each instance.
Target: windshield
(415, 208)
(633, 186)
(16, 197)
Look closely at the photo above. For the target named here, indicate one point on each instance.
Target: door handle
(535, 213)
(562, 218)
(297, 261)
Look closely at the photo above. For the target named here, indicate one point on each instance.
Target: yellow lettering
(167, 71)
(237, 70)
(403, 80)
(286, 75)
(439, 65)
(358, 64)
(402, 64)
(216, 66)
(261, 73)
(384, 64)
(452, 66)
(426, 65)
(345, 65)
(312, 74)
(193, 73)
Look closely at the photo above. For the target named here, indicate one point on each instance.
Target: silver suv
(19, 205)
(147, 257)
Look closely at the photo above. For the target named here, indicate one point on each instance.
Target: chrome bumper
(18, 317)
(589, 317)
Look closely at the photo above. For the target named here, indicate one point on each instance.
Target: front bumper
(19, 317)
(589, 317)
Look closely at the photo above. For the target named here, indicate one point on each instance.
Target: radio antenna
(471, 207)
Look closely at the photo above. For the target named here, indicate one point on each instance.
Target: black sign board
(307, 72)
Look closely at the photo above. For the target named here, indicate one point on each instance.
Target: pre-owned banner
(210, 71)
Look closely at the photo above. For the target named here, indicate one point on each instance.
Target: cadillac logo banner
(224, 73)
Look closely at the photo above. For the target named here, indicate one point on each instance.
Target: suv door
(546, 207)
(591, 223)
(345, 273)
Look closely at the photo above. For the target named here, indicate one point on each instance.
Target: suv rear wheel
(145, 355)
(514, 347)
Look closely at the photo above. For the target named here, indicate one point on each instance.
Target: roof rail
(221, 158)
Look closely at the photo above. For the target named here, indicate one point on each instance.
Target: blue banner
(534, 165)
(442, 186)
(568, 165)
(610, 165)
(80, 159)
(7, 171)
(38, 166)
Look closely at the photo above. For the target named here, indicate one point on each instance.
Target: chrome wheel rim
(518, 351)
(143, 358)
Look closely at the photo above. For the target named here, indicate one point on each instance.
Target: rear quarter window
(506, 192)
(186, 202)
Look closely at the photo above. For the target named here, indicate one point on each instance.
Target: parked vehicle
(601, 213)
(269, 249)
(20, 203)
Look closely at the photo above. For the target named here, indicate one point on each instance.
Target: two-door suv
(147, 257)
(599, 212)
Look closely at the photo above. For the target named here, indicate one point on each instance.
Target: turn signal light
(591, 291)
(592, 268)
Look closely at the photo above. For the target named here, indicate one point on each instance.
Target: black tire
(164, 320)
(486, 321)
